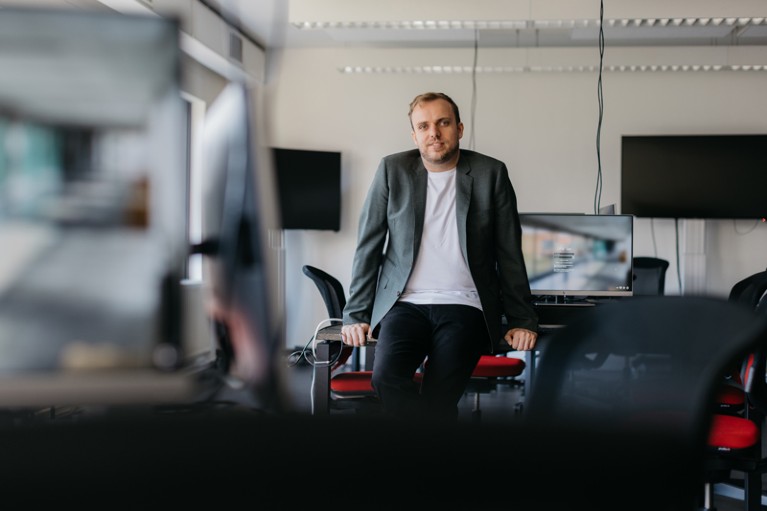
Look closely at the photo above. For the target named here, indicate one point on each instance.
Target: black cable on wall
(474, 88)
(600, 100)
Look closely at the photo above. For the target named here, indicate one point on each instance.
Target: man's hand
(521, 339)
(356, 334)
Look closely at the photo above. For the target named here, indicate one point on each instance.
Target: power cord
(313, 361)
(678, 267)
(310, 355)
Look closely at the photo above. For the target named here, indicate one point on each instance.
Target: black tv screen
(694, 176)
(309, 185)
(578, 255)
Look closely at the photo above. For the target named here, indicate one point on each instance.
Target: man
(438, 262)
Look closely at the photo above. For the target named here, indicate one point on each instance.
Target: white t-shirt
(440, 274)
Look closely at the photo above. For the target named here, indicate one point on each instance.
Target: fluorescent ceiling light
(633, 68)
(520, 24)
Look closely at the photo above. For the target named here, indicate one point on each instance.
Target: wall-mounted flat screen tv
(576, 255)
(309, 185)
(694, 176)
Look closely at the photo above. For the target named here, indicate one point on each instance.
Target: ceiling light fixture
(522, 24)
(356, 70)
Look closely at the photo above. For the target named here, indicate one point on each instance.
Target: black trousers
(448, 338)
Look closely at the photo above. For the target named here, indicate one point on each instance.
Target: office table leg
(531, 361)
(369, 357)
(321, 382)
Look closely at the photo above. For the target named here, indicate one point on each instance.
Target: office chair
(354, 384)
(730, 397)
(334, 298)
(491, 371)
(649, 276)
(735, 438)
(657, 415)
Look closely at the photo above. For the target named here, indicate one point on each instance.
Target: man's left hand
(521, 339)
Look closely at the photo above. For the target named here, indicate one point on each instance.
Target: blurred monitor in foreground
(92, 191)
(240, 229)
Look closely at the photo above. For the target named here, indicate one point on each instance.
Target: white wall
(543, 125)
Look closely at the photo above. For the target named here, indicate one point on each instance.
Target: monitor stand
(567, 301)
(561, 310)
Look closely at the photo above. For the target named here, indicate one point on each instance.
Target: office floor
(500, 404)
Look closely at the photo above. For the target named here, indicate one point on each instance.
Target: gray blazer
(389, 235)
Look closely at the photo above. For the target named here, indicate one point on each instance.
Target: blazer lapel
(419, 180)
(463, 184)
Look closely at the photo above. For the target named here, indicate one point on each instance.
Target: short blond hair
(427, 97)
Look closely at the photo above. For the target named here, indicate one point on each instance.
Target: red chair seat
(357, 383)
(490, 366)
(729, 432)
(352, 383)
(730, 396)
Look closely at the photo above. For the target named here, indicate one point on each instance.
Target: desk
(330, 335)
(531, 357)
(109, 387)
(553, 316)
(321, 373)
(324, 340)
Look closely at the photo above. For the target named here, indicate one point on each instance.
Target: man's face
(436, 134)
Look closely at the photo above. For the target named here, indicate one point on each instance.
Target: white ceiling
(272, 25)
(268, 22)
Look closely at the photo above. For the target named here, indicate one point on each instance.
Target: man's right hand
(356, 334)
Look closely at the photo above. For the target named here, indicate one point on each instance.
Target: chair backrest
(752, 292)
(333, 296)
(645, 366)
(330, 288)
(649, 276)
(634, 382)
(749, 291)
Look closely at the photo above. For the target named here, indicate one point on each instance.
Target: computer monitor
(576, 255)
(240, 220)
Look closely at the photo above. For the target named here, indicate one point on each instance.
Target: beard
(447, 154)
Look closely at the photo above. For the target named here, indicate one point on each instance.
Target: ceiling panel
(271, 22)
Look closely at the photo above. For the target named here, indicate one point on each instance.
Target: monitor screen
(694, 176)
(240, 219)
(310, 188)
(578, 255)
